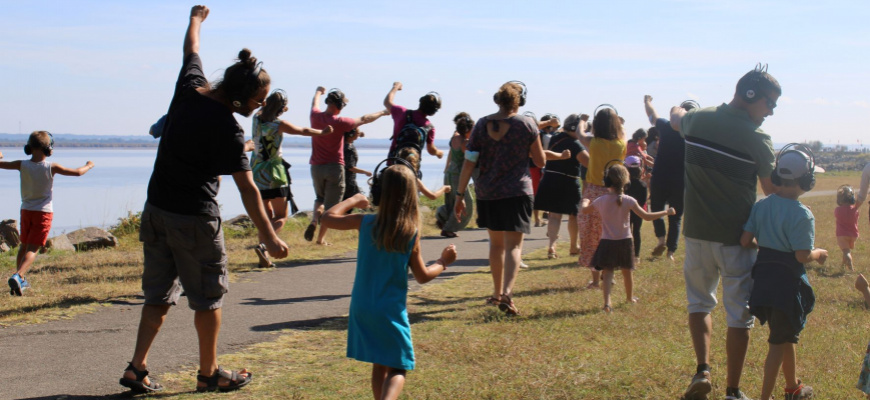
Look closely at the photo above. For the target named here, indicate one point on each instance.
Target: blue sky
(89, 67)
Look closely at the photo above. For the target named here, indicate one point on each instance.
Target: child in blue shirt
(782, 296)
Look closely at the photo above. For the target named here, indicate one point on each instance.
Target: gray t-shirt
(725, 154)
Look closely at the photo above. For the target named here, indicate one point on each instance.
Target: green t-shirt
(725, 153)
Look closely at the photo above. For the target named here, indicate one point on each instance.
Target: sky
(109, 67)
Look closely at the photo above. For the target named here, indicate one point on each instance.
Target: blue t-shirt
(670, 163)
(782, 224)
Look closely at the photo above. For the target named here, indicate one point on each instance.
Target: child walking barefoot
(616, 249)
(37, 179)
(847, 223)
(378, 328)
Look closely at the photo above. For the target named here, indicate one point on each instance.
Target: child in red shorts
(37, 178)
(847, 222)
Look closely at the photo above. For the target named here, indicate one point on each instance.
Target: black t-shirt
(351, 157)
(201, 140)
(637, 190)
(670, 163)
(559, 143)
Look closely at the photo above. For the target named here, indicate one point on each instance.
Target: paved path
(85, 356)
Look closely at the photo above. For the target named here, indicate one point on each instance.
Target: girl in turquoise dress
(271, 173)
(378, 329)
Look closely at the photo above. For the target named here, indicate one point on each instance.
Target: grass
(563, 346)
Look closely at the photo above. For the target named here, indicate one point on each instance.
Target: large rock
(91, 238)
(240, 223)
(9, 233)
(60, 242)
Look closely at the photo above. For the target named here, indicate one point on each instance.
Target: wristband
(472, 156)
(460, 194)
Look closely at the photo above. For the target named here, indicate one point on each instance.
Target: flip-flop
(261, 254)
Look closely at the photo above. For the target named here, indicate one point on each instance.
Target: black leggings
(636, 222)
(663, 192)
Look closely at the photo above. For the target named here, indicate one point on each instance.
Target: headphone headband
(524, 93)
(437, 96)
(551, 116)
(690, 104)
(531, 115)
(375, 180)
(605, 105)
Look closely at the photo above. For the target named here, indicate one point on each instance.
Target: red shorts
(35, 226)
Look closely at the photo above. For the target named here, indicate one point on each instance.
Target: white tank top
(36, 182)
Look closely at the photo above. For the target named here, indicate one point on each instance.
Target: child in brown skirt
(616, 249)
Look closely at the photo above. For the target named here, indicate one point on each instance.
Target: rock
(61, 243)
(9, 233)
(4, 247)
(91, 238)
(239, 223)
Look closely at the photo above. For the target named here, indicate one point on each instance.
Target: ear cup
(607, 182)
(775, 179)
(27, 149)
(807, 182)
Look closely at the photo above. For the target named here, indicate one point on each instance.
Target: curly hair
(607, 125)
(508, 95)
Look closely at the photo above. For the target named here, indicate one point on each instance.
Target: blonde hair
(619, 178)
(508, 95)
(845, 195)
(398, 218)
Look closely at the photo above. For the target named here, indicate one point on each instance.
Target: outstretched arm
(317, 93)
(650, 111)
(586, 207)
(338, 218)
(552, 155)
(805, 256)
(430, 194)
(369, 118)
(291, 129)
(11, 165)
(677, 114)
(388, 101)
(432, 150)
(422, 273)
(61, 170)
(651, 216)
(198, 14)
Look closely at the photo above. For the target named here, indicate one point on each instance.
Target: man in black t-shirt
(181, 226)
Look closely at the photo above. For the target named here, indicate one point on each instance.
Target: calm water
(119, 180)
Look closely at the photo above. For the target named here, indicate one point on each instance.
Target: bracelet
(443, 264)
(460, 194)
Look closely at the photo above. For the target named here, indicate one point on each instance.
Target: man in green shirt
(727, 154)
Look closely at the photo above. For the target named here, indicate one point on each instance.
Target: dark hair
(243, 79)
(350, 133)
(633, 172)
(653, 134)
(758, 80)
(430, 103)
(463, 122)
(572, 122)
(638, 135)
(606, 125)
(274, 107)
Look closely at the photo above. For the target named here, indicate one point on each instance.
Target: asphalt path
(83, 358)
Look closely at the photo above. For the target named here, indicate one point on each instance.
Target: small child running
(847, 223)
(616, 248)
(378, 328)
(37, 179)
(783, 229)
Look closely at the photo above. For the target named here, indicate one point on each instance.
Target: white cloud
(861, 103)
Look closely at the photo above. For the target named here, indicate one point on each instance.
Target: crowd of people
(704, 163)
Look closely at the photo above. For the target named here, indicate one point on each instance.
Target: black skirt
(513, 214)
(614, 254)
(558, 193)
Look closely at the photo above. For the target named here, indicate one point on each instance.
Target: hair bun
(245, 57)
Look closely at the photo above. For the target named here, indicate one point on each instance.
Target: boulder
(60, 242)
(241, 222)
(91, 238)
(9, 233)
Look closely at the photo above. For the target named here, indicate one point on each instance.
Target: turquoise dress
(378, 330)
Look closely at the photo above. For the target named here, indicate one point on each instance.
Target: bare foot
(633, 300)
(592, 285)
(608, 309)
(323, 243)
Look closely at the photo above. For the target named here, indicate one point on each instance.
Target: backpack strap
(408, 118)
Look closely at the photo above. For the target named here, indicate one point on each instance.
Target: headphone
(607, 181)
(465, 121)
(806, 181)
(690, 104)
(375, 181)
(277, 104)
(523, 93)
(751, 88)
(848, 194)
(29, 150)
(603, 106)
(254, 76)
(336, 97)
(552, 116)
(531, 115)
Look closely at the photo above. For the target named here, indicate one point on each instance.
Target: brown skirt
(614, 254)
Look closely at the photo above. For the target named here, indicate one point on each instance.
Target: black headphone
(848, 194)
(375, 180)
(607, 181)
(437, 96)
(253, 82)
(752, 87)
(604, 106)
(523, 93)
(690, 104)
(278, 103)
(335, 97)
(806, 181)
(465, 122)
(29, 150)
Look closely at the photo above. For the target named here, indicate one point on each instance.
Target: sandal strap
(212, 381)
(140, 375)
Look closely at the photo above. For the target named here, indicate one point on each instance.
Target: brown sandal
(506, 304)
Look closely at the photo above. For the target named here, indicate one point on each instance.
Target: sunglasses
(770, 103)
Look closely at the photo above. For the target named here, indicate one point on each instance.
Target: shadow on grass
(340, 323)
(76, 280)
(258, 301)
(65, 303)
(123, 395)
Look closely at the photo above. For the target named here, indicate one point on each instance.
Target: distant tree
(816, 145)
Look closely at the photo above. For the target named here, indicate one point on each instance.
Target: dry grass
(563, 346)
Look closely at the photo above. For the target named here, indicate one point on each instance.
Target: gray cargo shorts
(183, 251)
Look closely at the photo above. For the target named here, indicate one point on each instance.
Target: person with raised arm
(181, 226)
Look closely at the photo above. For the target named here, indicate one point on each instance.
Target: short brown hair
(508, 95)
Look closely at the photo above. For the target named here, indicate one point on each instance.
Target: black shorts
(781, 328)
(513, 214)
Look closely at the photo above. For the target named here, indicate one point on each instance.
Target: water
(119, 181)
